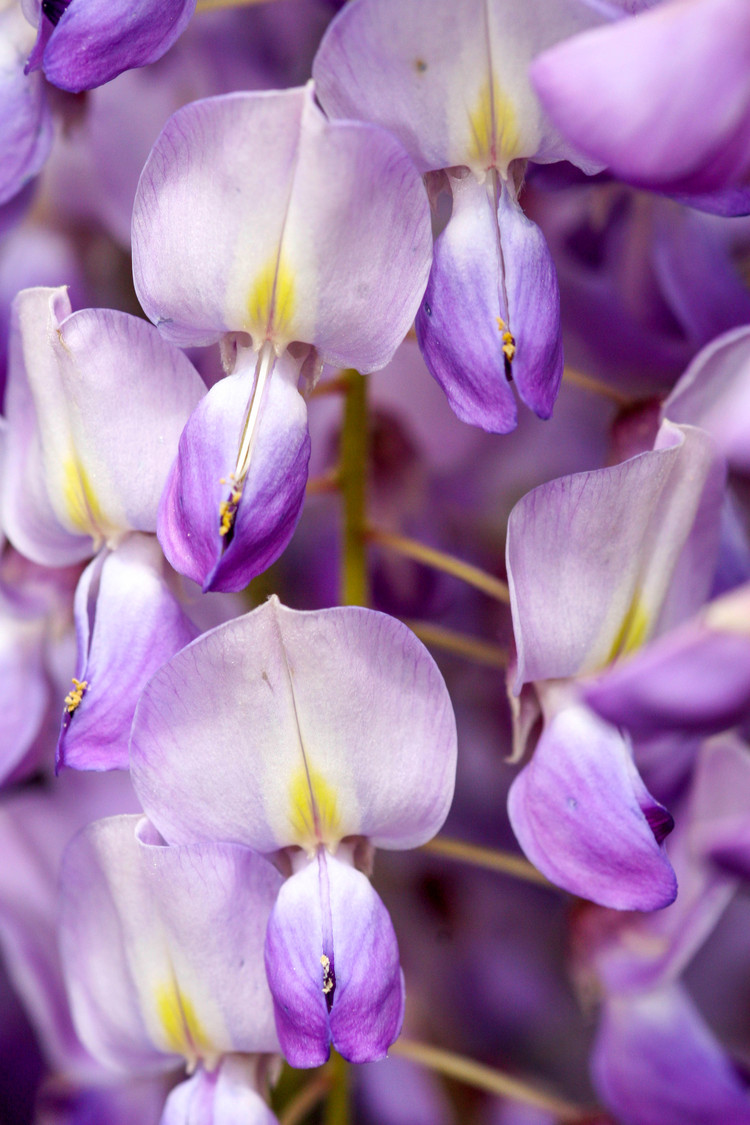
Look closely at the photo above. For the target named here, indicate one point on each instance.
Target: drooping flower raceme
(452, 82)
(95, 404)
(321, 733)
(162, 950)
(262, 225)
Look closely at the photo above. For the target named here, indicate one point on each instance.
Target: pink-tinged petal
(287, 728)
(459, 320)
(583, 816)
(161, 947)
(313, 231)
(227, 1096)
(95, 40)
(26, 122)
(694, 680)
(450, 81)
(714, 393)
(128, 623)
(619, 94)
(591, 557)
(265, 515)
(96, 404)
(333, 967)
(656, 1062)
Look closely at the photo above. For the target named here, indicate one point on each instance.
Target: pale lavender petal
(450, 81)
(25, 122)
(315, 231)
(227, 1096)
(656, 1062)
(714, 393)
(619, 93)
(28, 516)
(161, 947)
(333, 967)
(95, 40)
(583, 816)
(201, 479)
(286, 728)
(591, 556)
(35, 826)
(128, 623)
(95, 406)
(128, 395)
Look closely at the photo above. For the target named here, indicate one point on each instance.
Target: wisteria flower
(260, 224)
(320, 733)
(452, 82)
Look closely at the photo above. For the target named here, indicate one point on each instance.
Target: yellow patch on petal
(80, 500)
(271, 302)
(632, 632)
(182, 1029)
(494, 129)
(313, 809)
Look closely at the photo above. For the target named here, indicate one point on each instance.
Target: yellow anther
(328, 981)
(500, 324)
(228, 508)
(509, 346)
(75, 695)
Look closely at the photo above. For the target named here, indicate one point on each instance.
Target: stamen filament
(264, 366)
(440, 560)
(482, 652)
(492, 859)
(486, 1078)
(596, 386)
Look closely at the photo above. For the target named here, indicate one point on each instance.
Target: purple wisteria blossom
(162, 953)
(640, 545)
(452, 83)
(311, 247)
(322, 734)
(95, 404)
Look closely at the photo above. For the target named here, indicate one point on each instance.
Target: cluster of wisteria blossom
(375, 474)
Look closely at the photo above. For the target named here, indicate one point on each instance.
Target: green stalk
(353, 465)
